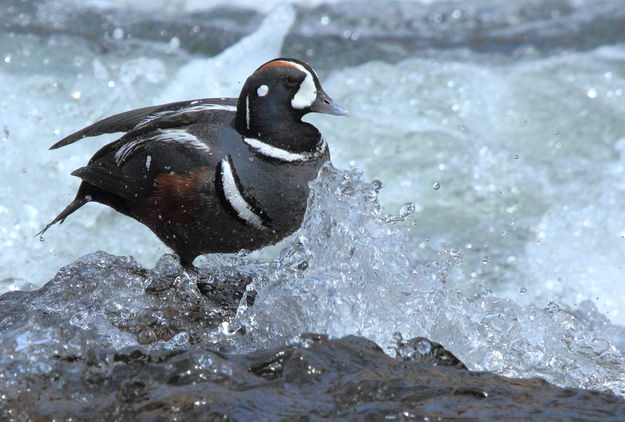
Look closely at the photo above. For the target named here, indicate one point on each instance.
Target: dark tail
(73, 206)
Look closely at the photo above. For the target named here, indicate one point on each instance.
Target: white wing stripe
(192, 109)
(166, 135)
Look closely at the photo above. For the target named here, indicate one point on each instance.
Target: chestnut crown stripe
(277, 63)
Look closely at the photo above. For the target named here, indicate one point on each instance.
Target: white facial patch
(282, 154)
(307, 93)
(262, 90)
(166, 135)
(234, 197)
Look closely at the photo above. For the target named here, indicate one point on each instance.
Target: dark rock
(99, 342)
(424, 350)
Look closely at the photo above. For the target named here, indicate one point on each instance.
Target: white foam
(224, 74)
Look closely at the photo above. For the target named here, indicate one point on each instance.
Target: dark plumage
(213, 175)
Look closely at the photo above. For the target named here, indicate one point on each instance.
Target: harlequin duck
(213, 175)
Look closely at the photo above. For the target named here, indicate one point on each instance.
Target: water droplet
(436, 186)
(523, 290)
(515, 156)
(118, 33)
(406, 210)
(325, 20)
(485, 259)
(591, 93)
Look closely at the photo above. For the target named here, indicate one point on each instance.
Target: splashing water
(349, 272)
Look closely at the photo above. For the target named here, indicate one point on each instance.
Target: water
(498, 231)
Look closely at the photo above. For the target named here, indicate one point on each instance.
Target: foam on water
(350, 270)
(224, 74)
(502, 161)
(174, 6)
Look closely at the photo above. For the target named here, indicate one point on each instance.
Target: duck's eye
(291, 81)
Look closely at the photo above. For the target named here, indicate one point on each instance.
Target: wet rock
(109, 340)
(424, 350)
(123, 301)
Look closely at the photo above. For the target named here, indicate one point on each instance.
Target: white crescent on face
(307, 93)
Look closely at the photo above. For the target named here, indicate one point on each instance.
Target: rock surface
(109, 340)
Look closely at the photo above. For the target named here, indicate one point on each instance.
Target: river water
(480, 187)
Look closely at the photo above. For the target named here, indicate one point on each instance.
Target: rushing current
(476, 196)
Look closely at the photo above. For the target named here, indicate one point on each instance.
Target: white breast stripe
(307, 93)
(282, 154)
(234, 198)
(166, 135)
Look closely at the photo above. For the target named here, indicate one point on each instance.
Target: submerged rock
(109, 340)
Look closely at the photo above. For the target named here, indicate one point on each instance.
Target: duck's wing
(145, 118)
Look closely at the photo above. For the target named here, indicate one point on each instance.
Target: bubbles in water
(406, 210)
(118, 33)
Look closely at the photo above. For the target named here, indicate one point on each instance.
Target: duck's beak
(326, 105)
